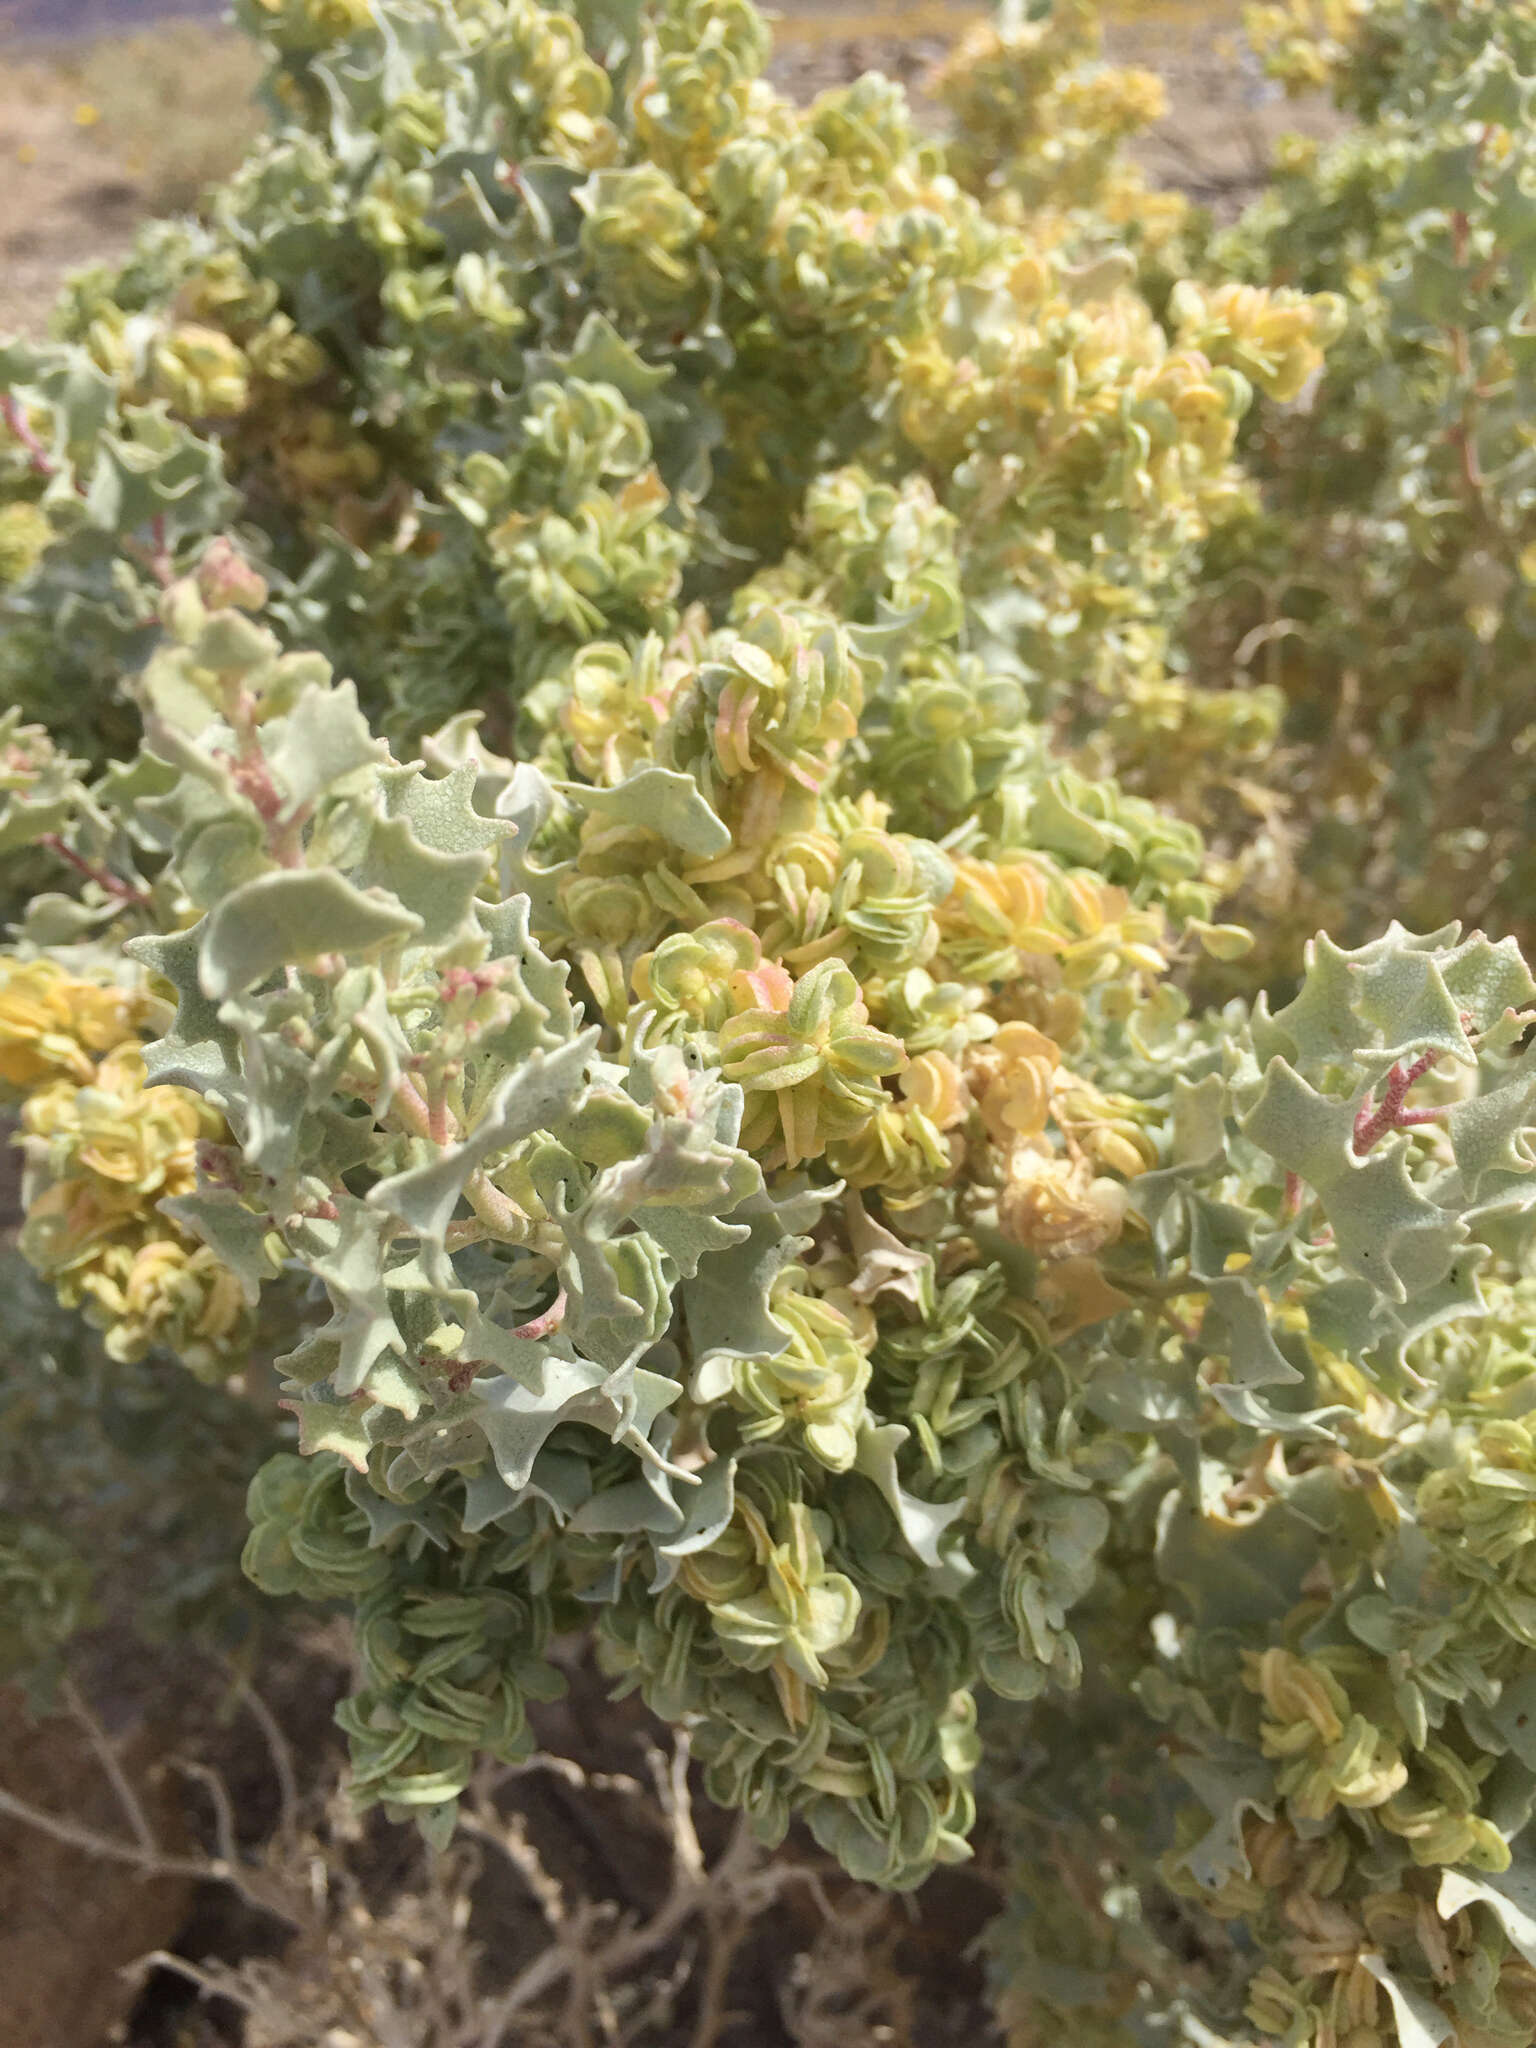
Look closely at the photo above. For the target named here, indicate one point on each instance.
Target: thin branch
(94, 871)
(724, 1936)
(1263, 635)
(567, 1768)
(660, 2007)
(517, 1846)
(1372, 1123)
(117, 1777)
(155, 557)
(162, 1959)
(583, 1985)
(223, 1812)
(280, 1751)
(153, 1862)
(557, 1963)
(497, 1211)
(671, 1778)
(410, 1108)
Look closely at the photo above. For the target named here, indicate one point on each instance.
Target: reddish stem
(93, 870)
(39, 459)
(252, 776)
(440, 1126)
(407, 1099)
(156, 557)
(464, 1369)
(1372, 1123)
(541, 1326)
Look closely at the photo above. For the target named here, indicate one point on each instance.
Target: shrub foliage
(621, 755)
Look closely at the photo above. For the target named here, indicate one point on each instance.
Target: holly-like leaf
(293, 917)
(661, 800)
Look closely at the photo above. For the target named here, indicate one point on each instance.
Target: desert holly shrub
(1385, 580)
(594, 658)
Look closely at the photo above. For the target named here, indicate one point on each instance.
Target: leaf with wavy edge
(1386, 1229)
(1229, 1786)
(516, 1422)
(922, 1523)
(347, 1256)
(293, 917)
(423, 1198)
(219, 1218)
(726, 1303)
(1420, 2022)
(660, 800)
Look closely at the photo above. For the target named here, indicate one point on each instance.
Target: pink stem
(464, 1369)
(11, 413)
(1372, 1123)
(542, 1325)
(93, 870)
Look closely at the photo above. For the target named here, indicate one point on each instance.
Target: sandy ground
(64, 201)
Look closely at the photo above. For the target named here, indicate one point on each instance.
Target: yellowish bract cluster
(103, 1151)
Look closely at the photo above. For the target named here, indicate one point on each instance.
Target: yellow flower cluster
(25, 531)
(1335, 1752)
(1039, 127)
(322, 459)
(1065, 404)
(881, 1055)
(310, 24)
(214, 362)
(1178, 739)
(808, 1059)
(198, 372)
(1302, 42)
(223, 353)
(895, 1010)
(1275, 337)
(1329, 1926)
(54, 1027)
(557, 95)
(618, 700)
(1026, 920)
(694, 102)
(1033, 110)
(103, 1150)
(1332, 1755)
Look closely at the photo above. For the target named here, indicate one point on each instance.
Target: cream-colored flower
(168, 1292)
(1056, 1205)
(52, 1024)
